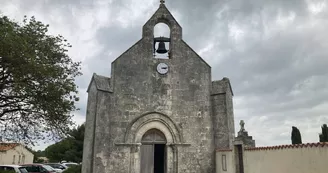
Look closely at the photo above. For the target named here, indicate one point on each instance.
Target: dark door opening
(240, 158)
(153, 152)
(159, 155)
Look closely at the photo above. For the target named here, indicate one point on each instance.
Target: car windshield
(48, 168)
(22, 170)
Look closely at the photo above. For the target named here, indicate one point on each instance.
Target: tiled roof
(7, 146)
(319, 144)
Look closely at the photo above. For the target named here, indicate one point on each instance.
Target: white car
(16, 168)
(57, 167)
(69, 164)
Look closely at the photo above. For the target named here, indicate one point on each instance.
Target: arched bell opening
(153, 152)
(162, 39)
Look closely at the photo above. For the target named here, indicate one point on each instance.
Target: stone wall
(225, 161)
(303, 158)
(222, 112)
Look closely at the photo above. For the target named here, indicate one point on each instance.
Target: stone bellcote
(163, 15)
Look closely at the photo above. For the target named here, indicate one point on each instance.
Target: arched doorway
(153, 152)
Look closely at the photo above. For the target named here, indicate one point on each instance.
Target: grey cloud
(265, 66)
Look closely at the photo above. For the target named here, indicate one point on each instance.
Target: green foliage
(69, 149)
(7, 171)
(2, 171)
(37, 154)
(37, 89)
(74, 169)
(37, 160)
(324, 134)
(296, 136)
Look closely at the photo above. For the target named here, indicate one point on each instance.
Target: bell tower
(161, 115)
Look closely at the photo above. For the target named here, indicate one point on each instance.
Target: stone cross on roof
(242, 125)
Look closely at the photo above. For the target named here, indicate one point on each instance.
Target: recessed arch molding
(151, 120)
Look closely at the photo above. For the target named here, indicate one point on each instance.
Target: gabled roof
(7, 146)
(159, 12)
(102, 83)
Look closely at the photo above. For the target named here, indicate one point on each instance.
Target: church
(157, 115)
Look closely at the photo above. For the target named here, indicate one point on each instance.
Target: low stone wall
(304, 158)
(225, 161)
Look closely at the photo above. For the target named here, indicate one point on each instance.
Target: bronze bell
(161, 48)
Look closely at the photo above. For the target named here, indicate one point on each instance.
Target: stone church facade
(157, 115)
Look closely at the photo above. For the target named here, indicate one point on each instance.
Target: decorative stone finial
(242, 125)
(162, 1)
(243, 136)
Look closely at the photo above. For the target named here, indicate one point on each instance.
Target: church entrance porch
(153, 152)
(154, 140)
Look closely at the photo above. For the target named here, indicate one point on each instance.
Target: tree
(296, 136)
(37, 155)
(37, 89)
(324, 135)
(68, 149)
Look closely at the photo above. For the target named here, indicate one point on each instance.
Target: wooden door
(147, 158)
(153, 152)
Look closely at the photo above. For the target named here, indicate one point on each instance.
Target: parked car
(13, 168)
(70, 164)
(57, 166)
(38, 168)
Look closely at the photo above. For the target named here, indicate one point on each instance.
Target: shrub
(74, 169)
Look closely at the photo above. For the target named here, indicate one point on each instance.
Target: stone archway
(153, 121)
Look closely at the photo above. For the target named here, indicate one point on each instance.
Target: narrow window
(161, 30)
(224, 162)
(14, 157)
(19, 159)
(23, 160)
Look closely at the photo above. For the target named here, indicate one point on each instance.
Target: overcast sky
(275, 52)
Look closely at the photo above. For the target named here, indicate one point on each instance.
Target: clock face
(162, 68)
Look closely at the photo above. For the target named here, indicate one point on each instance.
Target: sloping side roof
(102, 83)
(221, 86)
(307, 145)
(7, 146)
(196, 53)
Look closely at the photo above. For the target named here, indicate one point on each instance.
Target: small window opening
(161, 30)
(224, 162)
